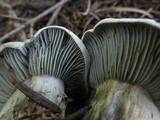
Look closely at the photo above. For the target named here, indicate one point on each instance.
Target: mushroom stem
(115, 100)
(36, 97)
(49, 87)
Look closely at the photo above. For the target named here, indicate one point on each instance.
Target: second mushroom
(125, 69)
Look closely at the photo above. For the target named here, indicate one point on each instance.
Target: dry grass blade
(87, 23)
(155, 12)
(125, 9)
(14, 18)
(149, 10)
(88, 8)
(54, 15)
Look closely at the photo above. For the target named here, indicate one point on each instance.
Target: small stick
(88, 8)
(54, 15)
(14, 18)
(124, 9)
(149, 10)
(87, 23)
(80, 113)
(36, 97)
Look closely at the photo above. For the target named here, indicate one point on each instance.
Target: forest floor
(20, 19)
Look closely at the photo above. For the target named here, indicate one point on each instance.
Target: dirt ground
(76, 15)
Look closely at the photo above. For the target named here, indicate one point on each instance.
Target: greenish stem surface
(115, 100)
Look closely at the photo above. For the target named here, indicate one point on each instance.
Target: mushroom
(12, 54)
(125, 69)
(54, 64)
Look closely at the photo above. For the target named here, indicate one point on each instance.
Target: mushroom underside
(126, 51)
(54, 66)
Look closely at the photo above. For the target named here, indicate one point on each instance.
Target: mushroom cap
(56, 51)
(127, 50)
(12, 55)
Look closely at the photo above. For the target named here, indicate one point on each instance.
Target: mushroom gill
(125, 69)
(12, 55)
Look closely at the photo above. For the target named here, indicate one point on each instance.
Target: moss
(115, 100)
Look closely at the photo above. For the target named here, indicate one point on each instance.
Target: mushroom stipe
(36, 97)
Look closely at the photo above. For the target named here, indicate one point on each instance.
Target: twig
(96, 5)
(33, 20)
(14, 18)
(36, 97)
(88, 8)
(54, 15)
(125, 9)
(80, 113)
(66, 19)
(31, 30)
(149, 10)
(155, 12)
(95, 16)
(87, 23)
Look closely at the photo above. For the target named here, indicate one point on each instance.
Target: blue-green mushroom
(54, 64)
(125, 69)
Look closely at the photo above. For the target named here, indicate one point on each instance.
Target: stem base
(115, 100)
